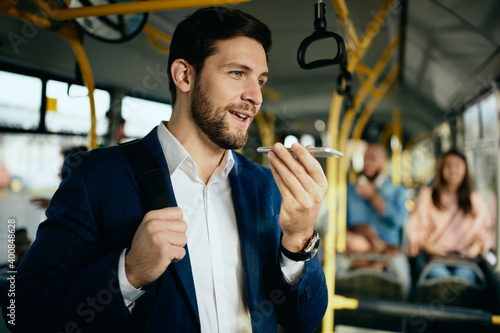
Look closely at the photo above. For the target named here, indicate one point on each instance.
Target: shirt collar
(176, 155)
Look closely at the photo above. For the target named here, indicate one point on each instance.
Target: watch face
(313, 243)
(110, 28)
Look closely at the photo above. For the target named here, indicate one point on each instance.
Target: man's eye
(237, 73)
(261, 82)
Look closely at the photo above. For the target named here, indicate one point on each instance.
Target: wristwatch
(306, 254)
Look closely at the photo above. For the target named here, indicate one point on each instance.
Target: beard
(373, 177)
(211, 120)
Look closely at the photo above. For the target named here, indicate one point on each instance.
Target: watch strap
(308, 253)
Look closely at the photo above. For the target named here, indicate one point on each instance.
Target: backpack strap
(152, 187)
(148, 174)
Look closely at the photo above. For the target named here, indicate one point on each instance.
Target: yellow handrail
(68, 31)
(367, 112)
(30, 17)
(158, 38)
(331, 199)
(123, 8)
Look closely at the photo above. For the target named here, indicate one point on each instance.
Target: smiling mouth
(241, 116)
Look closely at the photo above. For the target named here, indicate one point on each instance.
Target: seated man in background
(376, 208)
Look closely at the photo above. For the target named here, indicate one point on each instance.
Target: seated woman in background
(450, 221)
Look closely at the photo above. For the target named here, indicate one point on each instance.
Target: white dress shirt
(213, 242)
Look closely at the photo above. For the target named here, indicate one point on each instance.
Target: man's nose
(252, 93)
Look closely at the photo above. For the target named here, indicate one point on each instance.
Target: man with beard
(235, 252)
(376, 209)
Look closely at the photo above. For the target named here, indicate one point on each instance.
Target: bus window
(142, 115)
(20, 101)
(68, 109)
(489, 121)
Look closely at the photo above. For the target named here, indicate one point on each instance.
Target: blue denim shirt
(389, 225)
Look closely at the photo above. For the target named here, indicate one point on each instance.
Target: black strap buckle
(345, 77)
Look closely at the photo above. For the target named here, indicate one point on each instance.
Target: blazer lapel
(182, 267)
(245, 200)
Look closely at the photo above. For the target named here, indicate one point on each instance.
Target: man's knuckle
(298, 170)
(157, 239)
(183, 239)
(151, 227)
(289, 178)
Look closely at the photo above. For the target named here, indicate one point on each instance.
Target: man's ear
(182, 75)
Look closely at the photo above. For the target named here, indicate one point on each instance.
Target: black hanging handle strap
(148, 174)
(319, 33)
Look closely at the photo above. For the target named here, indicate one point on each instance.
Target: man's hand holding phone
(303, 186)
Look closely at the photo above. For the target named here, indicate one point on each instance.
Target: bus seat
(392, 283)
(453, 291)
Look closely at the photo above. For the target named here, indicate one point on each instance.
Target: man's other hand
(158, 241)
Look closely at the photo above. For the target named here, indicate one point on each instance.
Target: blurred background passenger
(65, 152)
(376, 210)
(450, 220)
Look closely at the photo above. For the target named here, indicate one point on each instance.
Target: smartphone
(317, 152)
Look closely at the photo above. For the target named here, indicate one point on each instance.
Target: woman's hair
(463, 191)
(194, 38)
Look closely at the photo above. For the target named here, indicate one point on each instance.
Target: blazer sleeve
(65, 283)
(305, 302)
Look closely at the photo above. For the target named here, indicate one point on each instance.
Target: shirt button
(190, 165)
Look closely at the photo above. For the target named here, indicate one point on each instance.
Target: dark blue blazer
(68, 280)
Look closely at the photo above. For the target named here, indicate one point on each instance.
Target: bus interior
(419, 77)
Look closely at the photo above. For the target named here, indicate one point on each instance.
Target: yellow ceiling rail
(123, 8)
(364, 70)
(375, 25)
(357, 52)
(158, 38)
(30, 17)
(375, 73)
(343, 14)
(7, 5)
(363, 118)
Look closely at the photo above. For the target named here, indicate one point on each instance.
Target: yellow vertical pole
(342, 174)
(406, 168)
(266, 125)
(336, 168)
(332, 166)
(68, 31)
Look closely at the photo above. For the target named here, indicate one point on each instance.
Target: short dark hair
(66, 151)
(194, 38)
